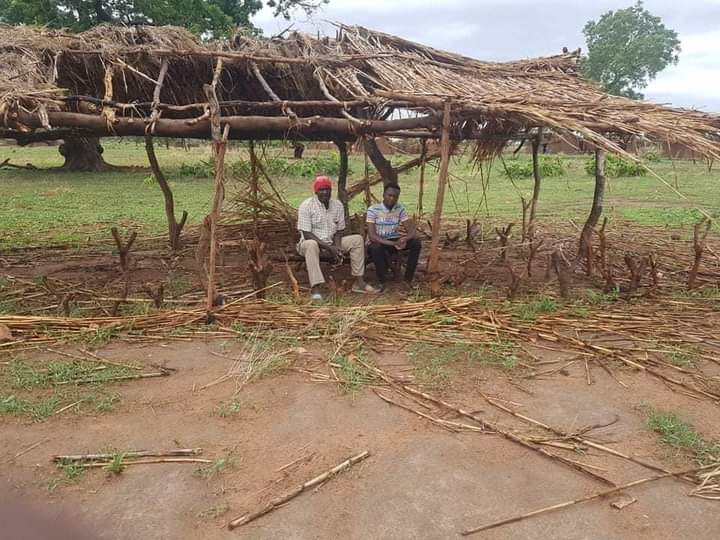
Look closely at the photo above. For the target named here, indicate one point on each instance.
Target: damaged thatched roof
(280, 87)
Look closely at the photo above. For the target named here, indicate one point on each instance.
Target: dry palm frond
(371, 71)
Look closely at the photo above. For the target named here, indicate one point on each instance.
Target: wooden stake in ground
(287, 497)
(342, 180)
(597, 205)
(597, 495)
(699, 238)
(433, 270)
(124, 253)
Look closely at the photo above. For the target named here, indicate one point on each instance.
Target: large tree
(627, 48)
(206, 18)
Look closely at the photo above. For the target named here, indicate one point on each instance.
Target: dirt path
(420, 482)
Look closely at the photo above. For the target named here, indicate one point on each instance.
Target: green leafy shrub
(616, 166)
(274, 166)
(198, 169)
(549, 166)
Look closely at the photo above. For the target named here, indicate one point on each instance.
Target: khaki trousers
(352, 244)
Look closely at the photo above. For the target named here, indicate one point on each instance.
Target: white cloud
(512, 29)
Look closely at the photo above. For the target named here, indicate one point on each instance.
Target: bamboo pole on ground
(587, 498)
(439, 201)
(284, 499)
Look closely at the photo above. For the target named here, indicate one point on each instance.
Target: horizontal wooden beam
(245, 104)
(241, 127)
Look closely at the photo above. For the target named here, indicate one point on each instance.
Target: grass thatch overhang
(102, 82)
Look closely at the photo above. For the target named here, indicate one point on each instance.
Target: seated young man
(383, 222)
(321, 221)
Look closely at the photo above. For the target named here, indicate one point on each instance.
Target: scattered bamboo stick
(118, 378)
(287, 497)
(147, 462)
(29, 449)
(132, 454)
(510, 436)
(597, 495)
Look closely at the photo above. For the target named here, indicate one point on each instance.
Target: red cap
(321, 182)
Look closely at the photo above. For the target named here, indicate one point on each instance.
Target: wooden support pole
(219, 146)
(342, 179)
(433, 269)
(254, 186)
(421, 191)
(366, 182)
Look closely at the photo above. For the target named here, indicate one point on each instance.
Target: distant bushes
(305, 168)
(616, 166)
(549, 166)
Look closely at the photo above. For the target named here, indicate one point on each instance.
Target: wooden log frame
(384, 168)
(241, 127)
(365, 184)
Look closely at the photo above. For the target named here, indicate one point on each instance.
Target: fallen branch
(287, 497)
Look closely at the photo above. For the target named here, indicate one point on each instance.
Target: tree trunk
(597, 206)
(383, 165)
(536, 186)
(83, 154)
(174, 227)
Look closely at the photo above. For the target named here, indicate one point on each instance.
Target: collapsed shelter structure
(165, 82)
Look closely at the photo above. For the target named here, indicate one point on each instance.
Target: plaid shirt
(322, 222)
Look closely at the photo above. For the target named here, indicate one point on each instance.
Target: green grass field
(42, 207)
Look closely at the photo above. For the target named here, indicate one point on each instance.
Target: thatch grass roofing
(376, 74)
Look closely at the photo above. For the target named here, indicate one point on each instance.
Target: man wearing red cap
(321, 222)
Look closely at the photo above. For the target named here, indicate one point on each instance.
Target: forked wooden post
(439, 200)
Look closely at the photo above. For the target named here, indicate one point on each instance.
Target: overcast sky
(513, 29)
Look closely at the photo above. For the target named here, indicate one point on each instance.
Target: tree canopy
(209, 18)
(627, 48)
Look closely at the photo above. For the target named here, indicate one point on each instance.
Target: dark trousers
(380, 256)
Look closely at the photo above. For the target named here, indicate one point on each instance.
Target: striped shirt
(387, 222)
(322, 222)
